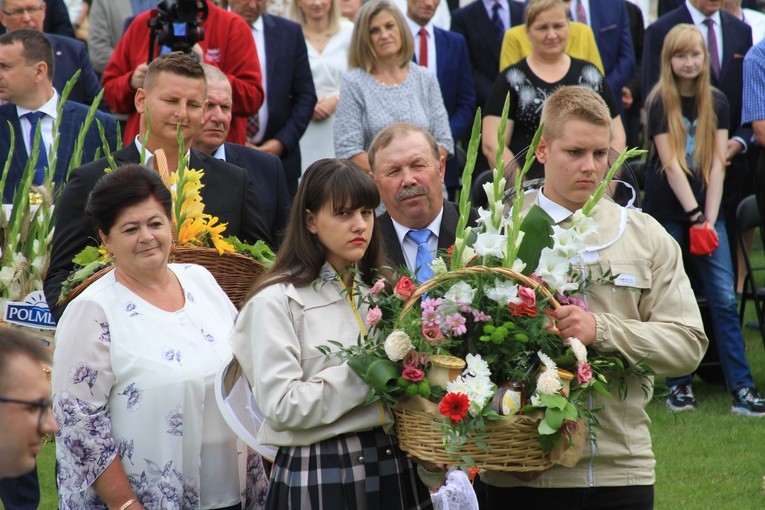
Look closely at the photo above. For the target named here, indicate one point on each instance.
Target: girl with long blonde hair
(687, 125)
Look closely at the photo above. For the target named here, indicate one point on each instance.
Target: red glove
(703, 239)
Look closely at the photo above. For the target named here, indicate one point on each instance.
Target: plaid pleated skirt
(357, 471)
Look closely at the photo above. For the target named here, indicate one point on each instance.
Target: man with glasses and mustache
(25, 412)
(409, 172)
(69, 54)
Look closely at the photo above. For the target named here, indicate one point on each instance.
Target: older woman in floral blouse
(136, 356)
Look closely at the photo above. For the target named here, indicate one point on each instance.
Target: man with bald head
(264, 170)
(409, 172)
(174, 92)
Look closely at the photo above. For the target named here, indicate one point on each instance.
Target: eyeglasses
(18, 13)
(44, 406)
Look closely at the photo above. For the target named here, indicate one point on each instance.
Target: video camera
(177, 25)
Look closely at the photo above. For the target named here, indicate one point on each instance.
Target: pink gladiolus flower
(583, 373)
(456, 323)
(377, 287)
(527, 296)
(432, 334)
(414, 375)
(373, 316)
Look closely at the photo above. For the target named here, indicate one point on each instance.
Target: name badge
(625, 280)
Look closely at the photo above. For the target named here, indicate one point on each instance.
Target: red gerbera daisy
(455, 406)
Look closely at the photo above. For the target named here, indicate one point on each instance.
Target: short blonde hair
(573, 103)
(537, 7)
(334, 15)
(361, 54)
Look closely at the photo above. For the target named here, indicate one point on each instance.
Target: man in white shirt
(445, 54)
(290, 95)
(409, 172)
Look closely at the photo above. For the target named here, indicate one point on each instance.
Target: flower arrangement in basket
(26, 225)
(199, 237)
(471, 361)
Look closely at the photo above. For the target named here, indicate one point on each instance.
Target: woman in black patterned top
(531, 80)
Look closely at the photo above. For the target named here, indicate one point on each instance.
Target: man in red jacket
(227, 44)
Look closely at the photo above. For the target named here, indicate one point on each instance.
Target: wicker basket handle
(467, 271)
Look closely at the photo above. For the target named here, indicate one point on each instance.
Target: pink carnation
(377, 287)
(414, 375)
(583, 373)
(373, 316)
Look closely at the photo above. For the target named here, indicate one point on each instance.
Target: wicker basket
(513, 442)
(473, 270)
(235, 273)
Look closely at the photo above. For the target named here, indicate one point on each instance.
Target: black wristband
(693, 211)
(700, 220)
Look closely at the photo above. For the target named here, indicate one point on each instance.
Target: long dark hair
(301, 256)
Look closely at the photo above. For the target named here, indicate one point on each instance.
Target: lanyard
(349, 296)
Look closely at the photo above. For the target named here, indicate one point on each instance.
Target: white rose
(490, 243)
(397, 345)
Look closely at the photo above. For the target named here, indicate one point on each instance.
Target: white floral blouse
(136, 381)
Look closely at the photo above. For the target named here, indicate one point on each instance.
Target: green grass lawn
(705, 459)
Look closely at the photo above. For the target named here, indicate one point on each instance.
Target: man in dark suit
(733, 39)
(264, 170)
(409, 172)
(611, 25)
(474, 23)
(669, 5)
(69, 54)
(26, 72)
(445, 53)
(174, 93)
(56, 19)
(288, 85)
(484, 41)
